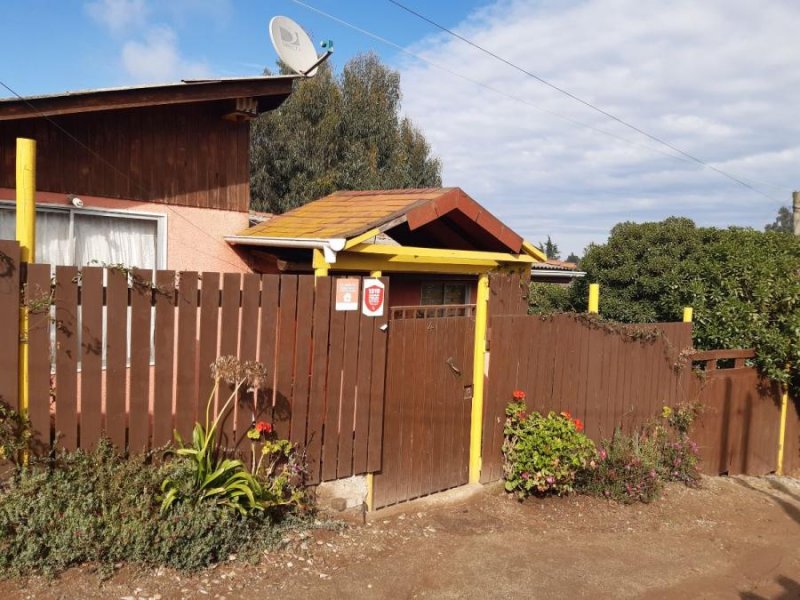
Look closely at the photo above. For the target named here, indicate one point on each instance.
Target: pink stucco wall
(194, 235)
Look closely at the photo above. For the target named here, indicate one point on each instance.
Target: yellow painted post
(321, 266)
(479, 365)
(594, 298)
(688, 314)
(26, 236)
(782, 430)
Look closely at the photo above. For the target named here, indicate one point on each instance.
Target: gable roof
(428, 217)
(268, 91)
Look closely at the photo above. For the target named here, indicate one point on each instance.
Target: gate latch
(452, 366)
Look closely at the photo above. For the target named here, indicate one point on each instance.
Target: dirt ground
(734, 538)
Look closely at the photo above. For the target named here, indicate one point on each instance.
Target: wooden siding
(179, 155)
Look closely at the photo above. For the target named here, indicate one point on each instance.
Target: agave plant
(213, 477)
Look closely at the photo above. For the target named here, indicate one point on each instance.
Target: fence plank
(38, 291)
(330, 443)
(228, 346)
(209, 339)
(165, 353)
(319, 364)
(344, 464)
(186, 375)
(91, 356)
(287, 318)
(66, 296)
(364, 394)
(248, 351)
(377, 385)
(141, 321)
(302, 362)
(267, 343)
(116, 355)
(10, 273)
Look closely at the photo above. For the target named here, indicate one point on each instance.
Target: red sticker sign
(373, 298)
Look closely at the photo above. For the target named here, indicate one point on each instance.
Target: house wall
(184, 155)
(194, 235)
(406, 290)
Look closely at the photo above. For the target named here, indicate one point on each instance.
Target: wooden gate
(428, 403)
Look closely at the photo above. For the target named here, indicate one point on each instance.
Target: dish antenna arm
(320, 60)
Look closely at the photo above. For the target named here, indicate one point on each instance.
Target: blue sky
(719, 79)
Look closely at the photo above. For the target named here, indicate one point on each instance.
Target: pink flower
(550, 480)
(526, 475)
(603, 454)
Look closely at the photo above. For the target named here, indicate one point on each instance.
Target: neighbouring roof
(268, 91)
(559, 269)
(429, 217)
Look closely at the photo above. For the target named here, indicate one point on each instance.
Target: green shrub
(15, 435)
(626, 470)
(543, 454)
(207, 475)
(631, 468)
(102, 508)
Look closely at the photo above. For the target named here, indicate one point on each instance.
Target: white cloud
(157, 58)
(717, 79)
(119, 15)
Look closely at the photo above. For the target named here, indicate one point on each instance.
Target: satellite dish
(295, 48)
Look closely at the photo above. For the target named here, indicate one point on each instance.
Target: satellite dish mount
(295, 48)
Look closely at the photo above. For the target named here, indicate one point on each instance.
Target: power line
(147, 193)
(581, 100)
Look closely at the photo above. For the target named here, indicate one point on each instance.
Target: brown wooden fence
(738, 429)
(132, 358)
(566, 363)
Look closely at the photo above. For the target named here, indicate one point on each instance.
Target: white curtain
(112, 240)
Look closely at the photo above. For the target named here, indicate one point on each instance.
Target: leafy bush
(549, 298)
(542, 454)
(15, 434)
(102, 508)
(631, 468)
(207, 475)
(626, 470)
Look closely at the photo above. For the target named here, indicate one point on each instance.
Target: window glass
(90, 238)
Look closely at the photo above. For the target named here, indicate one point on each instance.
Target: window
(80, 237)
(437, 292)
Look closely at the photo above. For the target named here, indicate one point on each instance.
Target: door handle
(452, 366)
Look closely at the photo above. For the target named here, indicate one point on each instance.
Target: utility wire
(580, 100)
(147, 193)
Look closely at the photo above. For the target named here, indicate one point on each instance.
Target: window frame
(159, 219)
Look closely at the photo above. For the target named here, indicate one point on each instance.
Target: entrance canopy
(430, 230)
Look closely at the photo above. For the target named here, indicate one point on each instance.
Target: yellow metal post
(26, 236)
(688, 314)
(479, 365)
(782, 431)
(594, 298)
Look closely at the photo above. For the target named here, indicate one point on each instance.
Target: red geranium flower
(518, 395)
(522, 415)
(578, 425)
(566, 414)
(263, 427)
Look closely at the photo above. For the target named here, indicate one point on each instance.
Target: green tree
(783, 222)
(550, 248)
(336, 133)
(744, 285)
(574, 258)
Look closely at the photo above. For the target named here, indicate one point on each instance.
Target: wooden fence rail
(129, 357)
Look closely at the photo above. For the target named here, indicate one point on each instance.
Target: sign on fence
(347, 293)
(374, 298)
